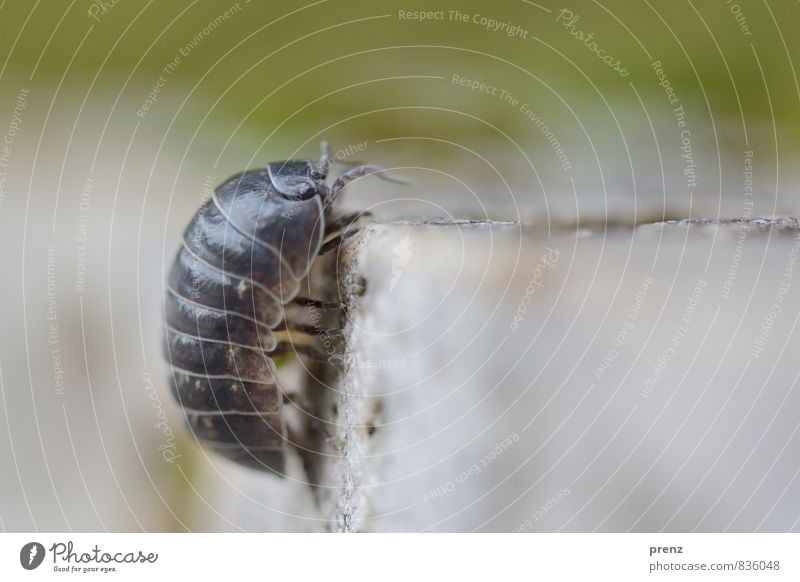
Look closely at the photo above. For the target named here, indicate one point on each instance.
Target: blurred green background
(268, 60)
(206, 88)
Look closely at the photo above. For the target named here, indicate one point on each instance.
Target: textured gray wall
(635, 380)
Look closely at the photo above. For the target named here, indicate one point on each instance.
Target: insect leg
(337, 226)
(344, 221)
(336, 241)
(307, 329)
(313, 352)
(316, 303)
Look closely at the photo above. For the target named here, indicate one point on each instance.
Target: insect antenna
(325, 160)
(360, 171)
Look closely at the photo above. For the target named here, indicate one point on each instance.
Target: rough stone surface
(634, 379)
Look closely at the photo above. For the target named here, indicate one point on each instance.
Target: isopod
(241, 262)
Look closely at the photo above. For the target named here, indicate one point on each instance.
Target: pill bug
(241, 262)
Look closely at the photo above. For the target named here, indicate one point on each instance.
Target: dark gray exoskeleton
(243, 257)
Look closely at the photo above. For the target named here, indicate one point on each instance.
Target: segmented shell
(243, 256)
